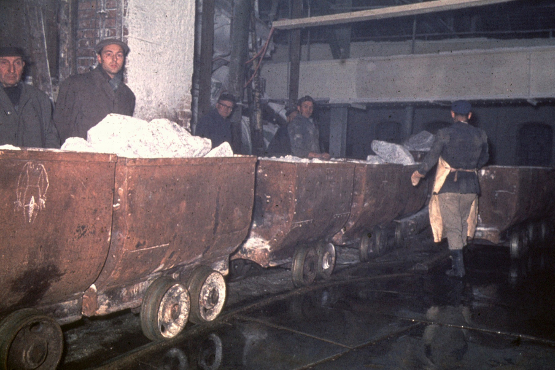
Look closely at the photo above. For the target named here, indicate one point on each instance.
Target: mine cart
(175, 223)
(299, 206)
(56, 211)
(382, 194)
(516, 206)
(91, 234)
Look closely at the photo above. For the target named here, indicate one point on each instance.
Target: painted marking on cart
(302, 223)
(32, 186)
(339, 215)
(149, 248)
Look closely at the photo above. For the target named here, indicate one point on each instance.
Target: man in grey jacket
(26, 112)
(84, 100)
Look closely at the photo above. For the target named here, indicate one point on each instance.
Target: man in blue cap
(459, 151)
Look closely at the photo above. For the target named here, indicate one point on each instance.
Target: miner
(26, 116)
(459, 151)
(85, 99)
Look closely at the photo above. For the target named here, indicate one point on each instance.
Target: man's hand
(415, 178)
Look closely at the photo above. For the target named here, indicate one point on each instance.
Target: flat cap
(11, 51)
(98, 48)
(461, 107)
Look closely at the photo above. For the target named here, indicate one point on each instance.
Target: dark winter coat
(463, 147)
(216, 128)
(304, 137)
(84, 100)
(30, 125)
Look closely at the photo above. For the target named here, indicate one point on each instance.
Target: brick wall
(96, 20)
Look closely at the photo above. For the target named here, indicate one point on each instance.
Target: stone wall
(160, 34)
(96, 20)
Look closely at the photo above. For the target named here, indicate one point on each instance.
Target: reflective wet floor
(398, 312)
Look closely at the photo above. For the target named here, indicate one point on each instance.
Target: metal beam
(383, 13)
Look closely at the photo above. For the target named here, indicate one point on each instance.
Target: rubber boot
(457, 264)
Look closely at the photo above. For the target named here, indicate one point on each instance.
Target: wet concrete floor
(398, 312)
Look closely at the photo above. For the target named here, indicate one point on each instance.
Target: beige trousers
(455, 209)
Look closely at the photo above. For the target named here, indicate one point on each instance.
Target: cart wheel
(546, 231)
(326, 260)
(208, 291)
(210, 353)
(533, 232)
(518, 242)
(372, 243)
(305, 266)
(165, 309)
(399, 237)
(30, 340)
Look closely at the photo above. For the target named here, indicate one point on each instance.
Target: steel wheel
(534, 234)
(30, 340)
(399, 237)
(326, 260)
(518, 242)
(546, 231)
(165, 309)
(208, 291)
(305, 266)
(372, 244)
(210, 353)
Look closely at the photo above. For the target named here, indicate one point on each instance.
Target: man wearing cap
(459, 151)
(26, 112)
(85, 99)
(216, 126)
(303, 133)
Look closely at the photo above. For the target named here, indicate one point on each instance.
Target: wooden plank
(383, 13)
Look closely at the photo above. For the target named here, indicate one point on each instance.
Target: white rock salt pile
(374, 159)
(420, 142)
(392, 153)
(135, 138)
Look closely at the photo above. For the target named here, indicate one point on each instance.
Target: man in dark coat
(26, 116)
(84, 100)
(304, 135)
(215, 125)
(459, 151)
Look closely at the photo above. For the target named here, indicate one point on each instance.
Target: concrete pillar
(338, 131)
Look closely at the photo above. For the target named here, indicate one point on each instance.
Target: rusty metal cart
(89, 234)
(299, 206)
(382, 193)
(516, 206)
(56, 211)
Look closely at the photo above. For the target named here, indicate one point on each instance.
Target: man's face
(111, 58)
(11, 69)
(224, 108)
(306, 109)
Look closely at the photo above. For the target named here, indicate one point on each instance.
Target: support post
(338, 131)
(295, 54)
(239, 47)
